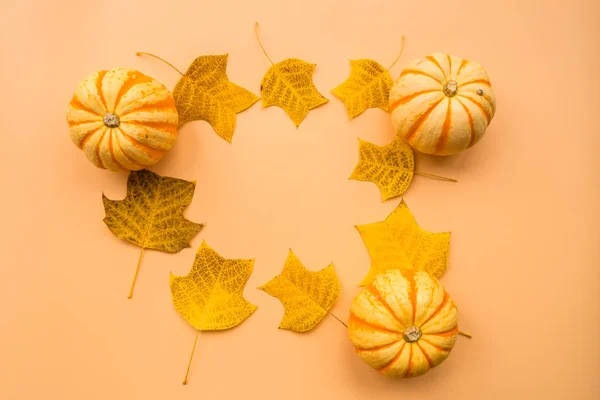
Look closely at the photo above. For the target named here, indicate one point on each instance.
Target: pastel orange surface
(524, 261)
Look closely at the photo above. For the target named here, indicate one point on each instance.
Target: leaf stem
(401, 50)
(442, 178)
(260, 43)
(141, 53)
(465, 334)
(339, 320)
(187, 372)
(137, 270)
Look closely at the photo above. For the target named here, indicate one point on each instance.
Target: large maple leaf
(306, 296)
(204, 93)
(399, 242)
(151, 214)
(210, 297)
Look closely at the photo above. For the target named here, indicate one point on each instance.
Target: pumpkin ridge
(88, 136)
(375, 293)
(396, 357)
(101, 164)
(450, 332)
(406, 99)
(438, 310)
(433, 60)
(150, 152)
(112, 151)
(377, 348)
(412, 294)
(444, 135)
(140, 166)
(409, 363)
(462, 65)
(484, 81)
(449, 72)
(160, 106)
(471, 124)
(421, 120)
(488, 117)
(128, 84)
(427, 358)
(361, 321)
(434, 346)
(417, 72)
(99, 79)
(76, 104)
(160, 126)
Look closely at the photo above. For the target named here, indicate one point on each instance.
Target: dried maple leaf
(399, 242)
(288, 84)
(390, 167)
(205, 93)
(151, 215)
(368, 86)
(306, 296)
(210, 297)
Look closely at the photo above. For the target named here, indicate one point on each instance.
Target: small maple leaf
(368, 86)
(151, 214)
(306, 296)
(390, 167)
(210, 297)
(205, 93)
(399, 242)
(288, 84)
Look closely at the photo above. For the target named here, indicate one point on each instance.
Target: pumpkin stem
(401, 50)
(141, 53)
(187, 372)
(260, 43)
(465, 334)
(339, 320)
(442, 178)
(137, 270)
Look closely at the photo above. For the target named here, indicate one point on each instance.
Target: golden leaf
(288, 84)
(399, 242)
(368, 86)
(390, 167)
(205, 93)
(151, 215)
(306, 296)
(210, 297)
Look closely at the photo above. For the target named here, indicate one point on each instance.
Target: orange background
(524, 253)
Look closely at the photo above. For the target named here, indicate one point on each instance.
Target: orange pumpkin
(122, 119)
(442, 104)
(403, 324)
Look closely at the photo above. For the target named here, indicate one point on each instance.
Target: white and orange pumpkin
(442, 104)
(403, 323)
(122, 119)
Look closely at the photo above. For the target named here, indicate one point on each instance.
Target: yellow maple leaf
(288, 84)
(151, 214)
(390, 167)
(399, 242)
(368, 86)
(210, 297)
(306, 296)
(205, 93)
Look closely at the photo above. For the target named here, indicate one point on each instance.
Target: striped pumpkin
(122, 119)
(403, 324)
(442, 104)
